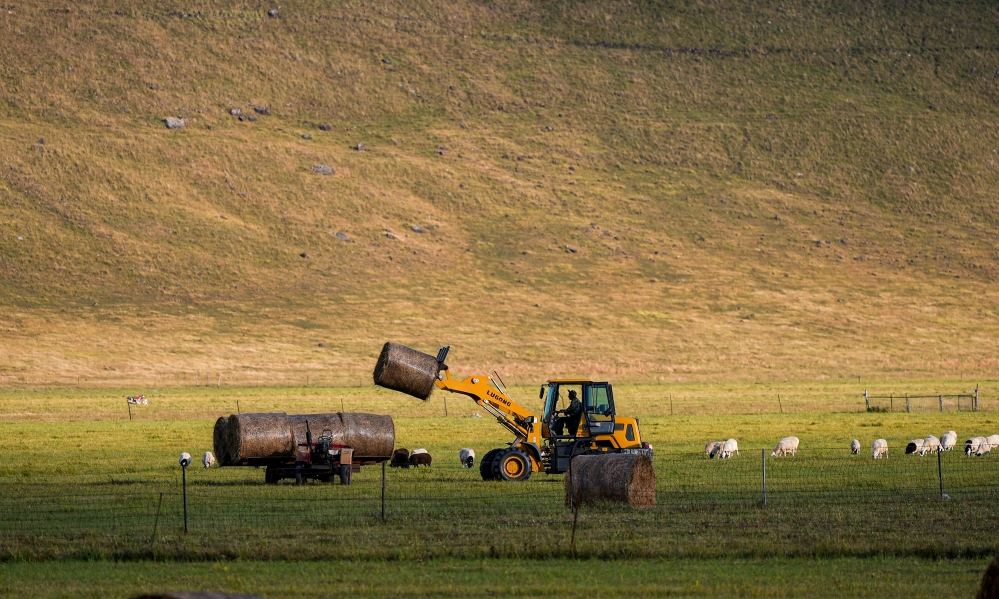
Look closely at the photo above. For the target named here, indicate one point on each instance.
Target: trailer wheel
(512, 465)
(486, 464)
(345, 474)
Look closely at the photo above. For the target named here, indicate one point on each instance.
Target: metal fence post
(867, 400)
(184, 475)
(940, 473)
(941, 403)
(974, 408)
(383, 491)
(763, 455)
(908, 406)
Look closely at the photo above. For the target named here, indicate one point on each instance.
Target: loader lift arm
(524, 454)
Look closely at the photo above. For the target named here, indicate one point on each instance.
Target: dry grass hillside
(693, 190)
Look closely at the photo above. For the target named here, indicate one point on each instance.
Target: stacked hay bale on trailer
(304, 446)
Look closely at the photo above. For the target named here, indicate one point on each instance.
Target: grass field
(850, 521)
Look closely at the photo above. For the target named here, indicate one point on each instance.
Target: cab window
(598, 402)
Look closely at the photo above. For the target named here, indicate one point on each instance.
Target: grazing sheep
(879, 448)
(930, 445)
(711, 448)
(914, 446)
(716, 450)
(991, 442)
(208, 459)
(855, 446)
(466, 457)
(785, 446)
(400, 458)
(731, 446)
(420, 458)
(971, 445)
(948, 441)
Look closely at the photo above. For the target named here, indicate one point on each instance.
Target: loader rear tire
(512, 465)
(486, 464)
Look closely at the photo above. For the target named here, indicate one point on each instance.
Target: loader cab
(597, 398)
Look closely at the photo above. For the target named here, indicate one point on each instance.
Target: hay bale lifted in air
(369, 434)
(619, 477)
(264, 435)
(220, 440)
(403, 369)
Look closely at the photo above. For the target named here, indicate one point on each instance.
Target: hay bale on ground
(618, 477)
(369, 434)
(403, 369)
(220, 440)
(989, 588)
(317, 424)
(263, 435)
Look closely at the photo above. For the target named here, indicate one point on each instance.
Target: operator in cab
(570, 416)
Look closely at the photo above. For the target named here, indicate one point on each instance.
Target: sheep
(930, 444)
(914, 446)
(879, 448)
(731, 446)
(855, 446)
(948, 441)
(971, 445)
(420, 458)
(785, 446)
(716, 450)
(400, 458)
(208, 459)
(467, 457)
(710, 448)
(990, 443)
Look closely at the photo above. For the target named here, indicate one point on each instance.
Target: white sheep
(930, 444)
(879, 448)
(991, 442)
(208, 459)
(971, 445)
(948, 441)
(785, 446)
(711, 448)
(915, 446)
(855, 446)
(467, 457)
(731, 446)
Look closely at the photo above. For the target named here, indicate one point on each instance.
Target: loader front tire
(512, 465)
(486, 464)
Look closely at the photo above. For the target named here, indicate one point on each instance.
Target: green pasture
(840, 577)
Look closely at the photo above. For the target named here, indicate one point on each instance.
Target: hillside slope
(603, 188)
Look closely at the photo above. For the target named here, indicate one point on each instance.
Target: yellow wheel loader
(590, 425)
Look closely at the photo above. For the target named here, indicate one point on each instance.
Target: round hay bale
(220, 441)
(369, 434)
(618, 477)
(264, 435)
(989, 588)
(317, 424)
(403, 369)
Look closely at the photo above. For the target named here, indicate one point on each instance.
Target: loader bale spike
(403, 369)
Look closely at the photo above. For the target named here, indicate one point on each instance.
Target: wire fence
(829, 501)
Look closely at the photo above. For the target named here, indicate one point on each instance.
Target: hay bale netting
(619, 477)
(369, 434)
(317, 424)
(264, 435)
(403, 369)
(220, 441)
